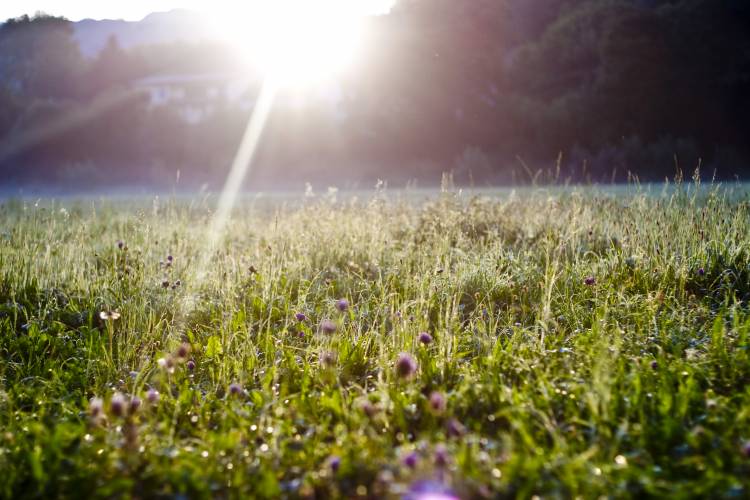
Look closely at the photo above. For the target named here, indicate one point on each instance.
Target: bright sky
(134, 10)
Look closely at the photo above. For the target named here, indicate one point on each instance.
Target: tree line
(491, 89)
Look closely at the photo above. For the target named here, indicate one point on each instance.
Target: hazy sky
(134, 10)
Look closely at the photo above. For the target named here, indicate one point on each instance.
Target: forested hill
(492, 89)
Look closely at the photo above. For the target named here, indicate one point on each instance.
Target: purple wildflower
(654, 364)
(437, 402)
(429, 490)
(406, 366)
(118, 405)
(96, 405)
(190, 365)
(235, 389)
(441, 455)
(328, 327)
(589, 281)
(425, 338)
(135, 405)
(152, 396)
(120, 244)
(342, 305)
(183, 350)
(334, 462)
(455, 428)
(701, 271)
(300, 317)
(170, 258)
(411, 459)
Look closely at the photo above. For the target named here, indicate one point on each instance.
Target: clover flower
(406, 366)
(342, 305)
(118, 405)
(411, 459)
(425, 338)
(328, 327)
(152, 396)
(437, 402)
(96, 406)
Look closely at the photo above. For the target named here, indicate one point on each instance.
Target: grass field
(559, 344)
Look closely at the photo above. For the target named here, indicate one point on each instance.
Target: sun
(296, 42)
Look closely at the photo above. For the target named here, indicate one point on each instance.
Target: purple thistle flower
(152, 396)
(300, 317)
(411, 459)
(190, 365)
(437, 402)
(342, 305)
(328, 327)
(589, 281)
(235, 389)
(406, 366)
(425, 338)
(118, 405)
(170, 258)
(701, 271)
(654, 364)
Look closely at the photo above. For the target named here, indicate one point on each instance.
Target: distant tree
(40, 57)
(112, 67)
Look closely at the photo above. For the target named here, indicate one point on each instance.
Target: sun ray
(238, 171)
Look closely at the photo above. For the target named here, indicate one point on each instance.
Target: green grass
(636, 385)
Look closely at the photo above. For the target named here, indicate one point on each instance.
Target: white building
(196, 96)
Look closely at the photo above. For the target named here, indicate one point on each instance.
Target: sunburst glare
(298, 43)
